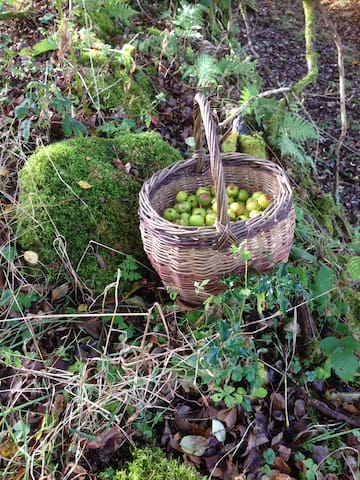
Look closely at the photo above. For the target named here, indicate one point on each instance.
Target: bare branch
(342, 95)
(244, 106)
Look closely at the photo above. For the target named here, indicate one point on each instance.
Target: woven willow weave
(184, 255)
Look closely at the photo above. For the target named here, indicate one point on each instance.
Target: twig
(340, 50)
(244, 106)
(329, 412)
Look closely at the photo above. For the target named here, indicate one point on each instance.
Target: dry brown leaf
(92, 326)
(281, 465)
(228, 416)
(59, 292)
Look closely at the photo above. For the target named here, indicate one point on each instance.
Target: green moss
(253, 145)
(230, 143)
(115, 87)
(52, 202)
(151, 463)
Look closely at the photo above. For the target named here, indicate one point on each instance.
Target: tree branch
(340, 51)
(244, 106)
(310, 52)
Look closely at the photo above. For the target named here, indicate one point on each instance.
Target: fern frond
(297, 128)
(287, 147)
(189, 20)
(120, 10)
(206, 70)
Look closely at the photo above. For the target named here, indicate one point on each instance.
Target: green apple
(212, 191)
(183, 207)
(244, 217)
(243, 194)
(210, 219)
(232, 215)
(185, 216)
(214, 207)
(264, 200)
(205, 199)
(232, 190)
(170, 214)
(184, 222)
(256, 195)
(230, 200)
(193, 200)
(237, 207)
(252, 204)
(201, 190)
(197, 221)
(254, 213)
(181, 196)
(199, 211)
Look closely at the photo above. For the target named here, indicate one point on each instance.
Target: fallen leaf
(59, 292)
(92, 326)
(194, 444)
(281, 465)
(112, 440)
(228, 416)
(218, 430)
(8, 449)
(4, 172)
(83, 184)
(31, 257)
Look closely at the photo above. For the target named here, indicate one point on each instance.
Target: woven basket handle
(202, 114)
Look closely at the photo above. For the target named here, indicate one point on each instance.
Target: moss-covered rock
(152, 463)
(82, 190)
(115, 87)
(253, 145)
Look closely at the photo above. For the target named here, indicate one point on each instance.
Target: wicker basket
(183, 255)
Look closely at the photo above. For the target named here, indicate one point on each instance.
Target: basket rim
(153, 222)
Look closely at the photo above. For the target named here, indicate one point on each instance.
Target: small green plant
(342, 355)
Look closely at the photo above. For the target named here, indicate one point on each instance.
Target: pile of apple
(199, 209)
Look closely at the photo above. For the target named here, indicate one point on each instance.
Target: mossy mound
(114, 85)
(253, 145)
(151, 463)
(101, 208)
